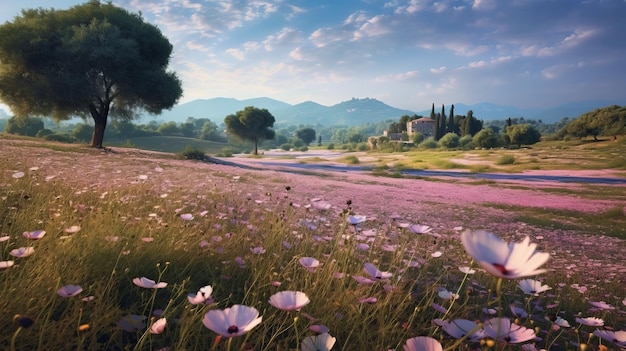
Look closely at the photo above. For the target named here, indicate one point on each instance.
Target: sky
(406, 53)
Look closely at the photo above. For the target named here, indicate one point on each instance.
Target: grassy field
(380, 280)
(171, 144)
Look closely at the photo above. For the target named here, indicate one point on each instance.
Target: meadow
(130, 250)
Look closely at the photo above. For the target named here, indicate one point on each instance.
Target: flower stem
(14, 338)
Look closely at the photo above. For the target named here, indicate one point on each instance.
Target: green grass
(611, 222)
(171, 144)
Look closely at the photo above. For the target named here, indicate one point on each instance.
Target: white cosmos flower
(322, 342)
(502, 259)
(6, 264)
(356, 219)
(202, 296)
(532, 287)
(419, 229)
(502, 329)
(309, 263)
(234, 321)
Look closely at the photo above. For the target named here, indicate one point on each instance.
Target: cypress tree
(432, 112)
(451, 128)
(437, 127)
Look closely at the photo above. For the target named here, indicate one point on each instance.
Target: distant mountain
(360, 111)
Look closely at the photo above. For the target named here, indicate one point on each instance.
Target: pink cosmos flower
(590, 321)
(186, 216)
(37, 234)
(73, 229)
(202, 296)
(422, 343)
(289, 300)
(321, 342)
(458, 328)
(22, 252)
(69, 290)
(363, 280)
(149, 283)
(159, 326)
(616, 337)
(234, 321)
(4, 238)
(368, 300)
(375, 273)
(18, 175)
(309, 263)
(6, 264)
(259, 250)
(319, 204)
(532, 287)
(602, 305)
(502, 329)
(502, 259)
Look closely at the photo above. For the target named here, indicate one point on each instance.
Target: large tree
(92, 60)
(252, 124)
(523, 134)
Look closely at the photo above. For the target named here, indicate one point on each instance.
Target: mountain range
(361, 111)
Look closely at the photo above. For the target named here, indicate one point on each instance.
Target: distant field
(172, 144)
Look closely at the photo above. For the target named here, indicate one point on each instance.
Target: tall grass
(136, 230)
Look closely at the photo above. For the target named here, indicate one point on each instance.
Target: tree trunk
(256, 149)
(100, 123)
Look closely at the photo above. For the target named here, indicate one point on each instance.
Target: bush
(449, 141)
(330, 146)
(429, 143)
(487, 139)
(466, 142)
(417, 138)
(362, 147)
(353, 160)
(43, 132)
(63, 138)
(506, 160)
(297, 143)
(226, 152)
(286, 147)
(303, 148)
(192, 153)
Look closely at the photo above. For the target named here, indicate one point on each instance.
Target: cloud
(438, 70)
(373, 27)
(571, 41)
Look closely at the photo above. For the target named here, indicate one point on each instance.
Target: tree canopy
(523, 134)
(607, 121)
(307, 135)
(252, 124)
(91, 60)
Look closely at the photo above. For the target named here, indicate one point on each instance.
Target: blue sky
(407, 53)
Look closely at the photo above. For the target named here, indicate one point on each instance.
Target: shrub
(63, 138)
(487, 139)
(43, 132)
(303, 148)
(286, 147)
(429, 143)
(353, 160)
(449, 141)
(417, 138)
(330, 146)
(362, 146)
(192, 153)
(506, 160)
(466, 142)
